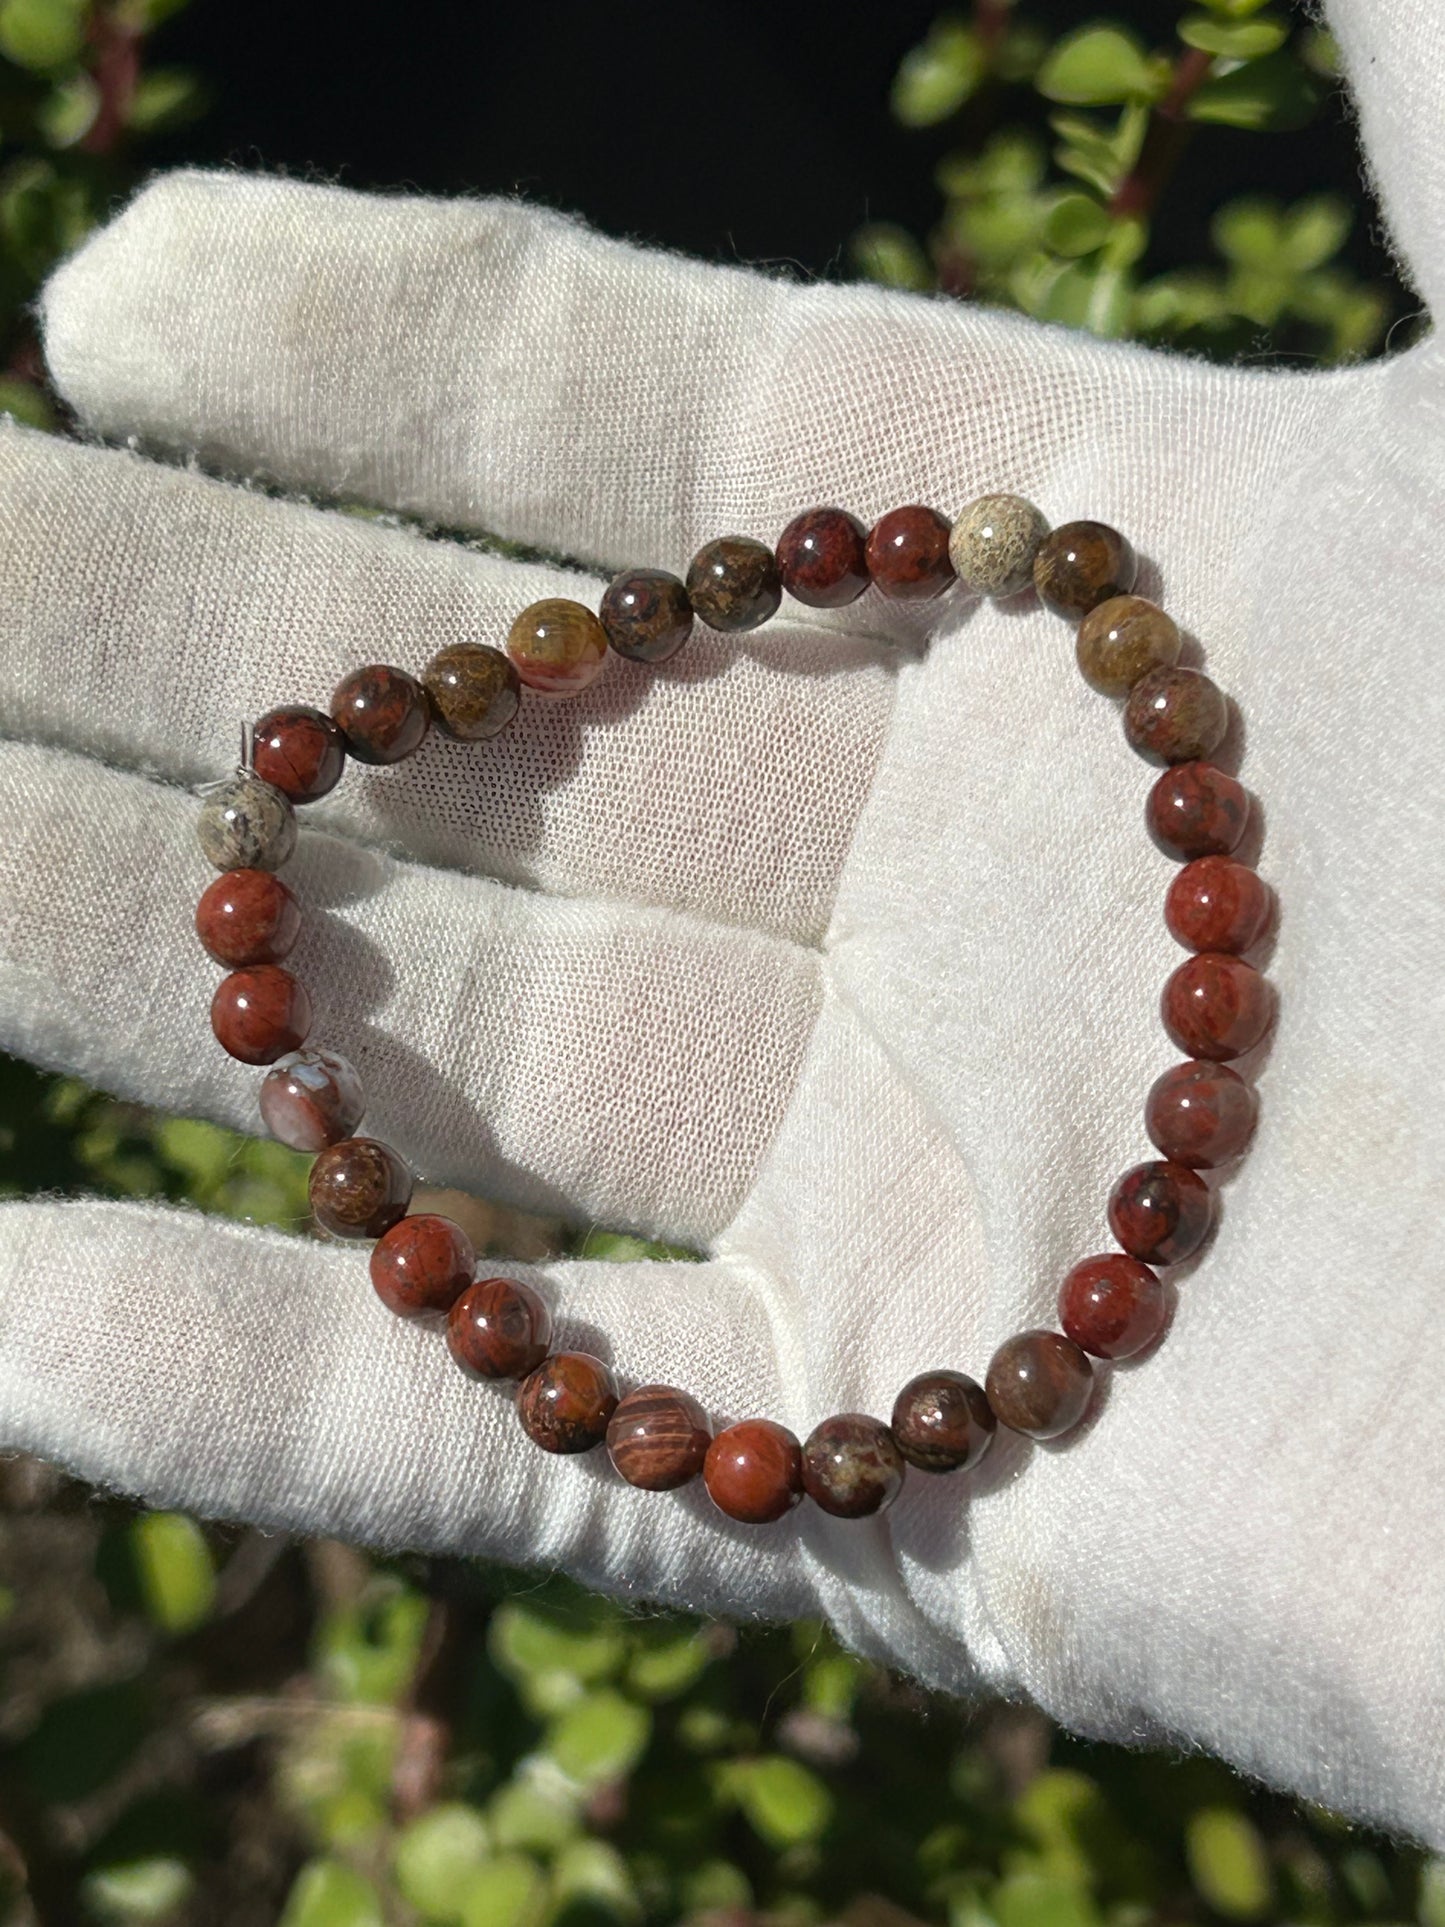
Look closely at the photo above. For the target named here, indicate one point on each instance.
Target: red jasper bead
(907, 554)
(1200, 1114)
(822, 559)
(658, 1438)
(754, 1471)
(300, 752)
(1216, 1006)
(260, 1013)
(423, 1264)
(358, 1188)
(1215, 903)
(1195, 809)
(247, 917)
(566, 1404)
(1039, 1383)
(852, 1466)
(942, 1421)
(1111, 1306)
(382, 712)
(499, 1328)
(1160, 1212)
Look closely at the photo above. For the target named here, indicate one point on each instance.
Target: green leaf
(601, 1738)
(595, 1873)
(68, 111)
(1095, 66)
(666, 1662)
(509, 1891)
(327, 1894)
(1091, 295)
(1430, 1907)
(935, 79)
(165, 97)
(1249, 231)
(784, 1801)
(1270, 95)
(1228, 1863)
(1076, 224)
(42, 34)
(1013, 162)
(136, 1890)
(1314, 230)
(368, 1652)
(24, 402)
(888, 254)
(1233, 40)
(553, 1653)
(1235, 9)
(175, 1570)
(523, 1815)
(1100, 155)
(435, 1856)
(718, 1885)
(1042, 1900)
(622, 1248)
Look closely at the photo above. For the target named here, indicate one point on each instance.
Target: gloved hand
(835, 947)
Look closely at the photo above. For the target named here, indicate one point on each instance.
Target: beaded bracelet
(1215, 1006)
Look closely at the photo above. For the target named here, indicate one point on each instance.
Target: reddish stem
(1164, 141)
(115, 69)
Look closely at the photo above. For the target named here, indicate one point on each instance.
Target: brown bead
(733, 583)
(311, 1098)
(907, 554)
(260, 1013)
(1039, 1382)
(1123, 640)
(822, 558)
(499, 1328)
(1160, 1212)
(1200, 1114)
(754, 1471)
(382, 713)
(474, 691)
(567, 1403)
(1215, 903)
(646, 614)
(851, 1466)
(423, 1264)
(1216, 1006)
(300, 752)
(658, 1438)
(942, 1421)
(1111, 1306)
(359, 1188)
(1081, 565)
(1194, 809)
(1175, 716)
(247, 917)
(557, 646)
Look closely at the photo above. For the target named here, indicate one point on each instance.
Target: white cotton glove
(835, 947)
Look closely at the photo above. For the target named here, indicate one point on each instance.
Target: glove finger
(611, 1063)
(147, 610)
(493, 366)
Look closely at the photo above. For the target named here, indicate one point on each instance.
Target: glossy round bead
(646, 614)
(1195, 809)
(1160, 1212)
(1039, 1382)
(247, 917)
(1200, 1114)
(260, 1013)
(658, 1438)
(423, 1264)
(1216, 1006)
(499, 1328)
(1215, 903)
(851, 1466)
(567, 1403)
(382, 712)
(822, 558)
(754, 1471)
(1122, 641)
(245, 824)
(993, 543)
(1111, 1306)
(1081, 565)
(557, 646)
(733, 583)
(300, 751)
(907, 554)
(359, 1188)
(474, 691)
(1175, 716)
(310, 1099)
(942, 1421)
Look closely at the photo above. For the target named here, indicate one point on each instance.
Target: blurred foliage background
(205, 1725)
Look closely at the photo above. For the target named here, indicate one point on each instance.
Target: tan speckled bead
(994, 542)
(1122, 640)
(557, 646)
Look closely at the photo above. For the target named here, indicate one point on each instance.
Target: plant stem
(1165, 139)
(115, 69)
